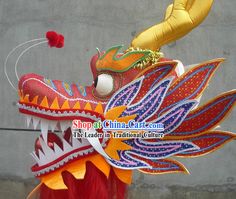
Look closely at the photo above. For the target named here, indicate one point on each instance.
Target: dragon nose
(56, 94)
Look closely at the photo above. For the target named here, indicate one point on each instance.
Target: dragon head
(136, 84)
(127, 86)
(52, 105)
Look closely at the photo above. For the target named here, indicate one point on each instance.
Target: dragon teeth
(84, 142)
(33, 154)
(76, 143)
(65, 125)
(46, 125)
(49, 153)
(66, 146)
(53, 125)
(28, 120)
(62, 162)
(35, 122)
(42, 158)
(58, 151)
(44, 129)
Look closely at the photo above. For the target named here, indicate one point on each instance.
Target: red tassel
(55, 39)
(94, 185)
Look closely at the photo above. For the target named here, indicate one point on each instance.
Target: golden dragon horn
(181, 17)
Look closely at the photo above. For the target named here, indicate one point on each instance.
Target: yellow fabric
(44, 102)
(124, 175)
(55, 104)
(35, 100)
(114, 144)
(115, 112)
(77, 105)
(88, 106)
(99, 108)
(65, 105)
(110, 61)
(77, 168)
(180, 19)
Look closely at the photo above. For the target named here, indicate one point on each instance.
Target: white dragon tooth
(94, 141)
(64, 125)
(58, 126)
(58, 151)
(33, 154)
(60, 135)
(53, 125)
(66, 146)
(35, 122)
(49, 153)
(84, 142)
(42, 158)
(44, 129)
(28, 120)
(76, 143)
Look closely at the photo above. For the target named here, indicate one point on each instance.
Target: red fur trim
(94, 185)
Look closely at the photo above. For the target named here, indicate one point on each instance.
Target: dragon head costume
(138, 84)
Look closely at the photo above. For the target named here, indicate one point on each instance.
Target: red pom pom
(55, 39)
(52, 38)
(60, 42)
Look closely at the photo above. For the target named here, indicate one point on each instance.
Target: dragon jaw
(52, 151)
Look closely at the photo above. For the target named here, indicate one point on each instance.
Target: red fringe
(94, 185)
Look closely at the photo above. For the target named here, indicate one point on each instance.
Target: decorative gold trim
(152, 58)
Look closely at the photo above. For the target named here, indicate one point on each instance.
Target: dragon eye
(104, 84)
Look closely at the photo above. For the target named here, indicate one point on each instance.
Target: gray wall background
(103, 23)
